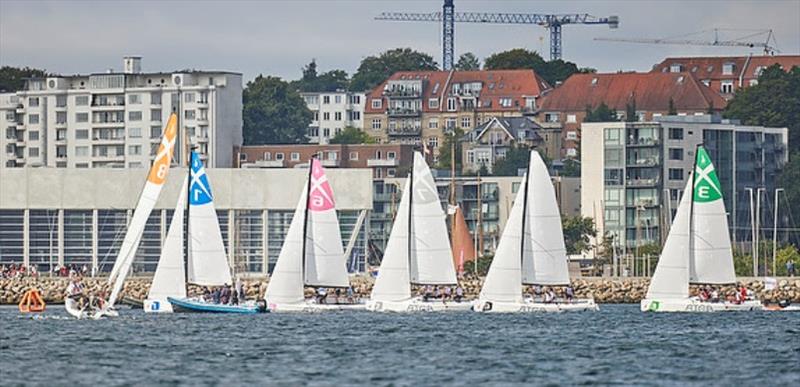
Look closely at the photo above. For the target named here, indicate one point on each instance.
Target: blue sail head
(199, 189)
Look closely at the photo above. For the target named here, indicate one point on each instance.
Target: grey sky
(279, 37)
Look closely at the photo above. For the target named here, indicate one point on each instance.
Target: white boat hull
(695, 305)
(157, 306)
(484, 306)
(416, 305)
(311, 307)
(71, 306)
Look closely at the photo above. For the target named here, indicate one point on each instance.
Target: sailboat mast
(305, 215)
(410, 206)
(524, 211)
(691, 206)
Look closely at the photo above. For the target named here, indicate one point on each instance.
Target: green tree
(351, 135)
(577, 231)
(572, 168)
(468, 61)
(601, 114)
(452, 140)
(375, 69)
(328, 81)
(13, 78)
(273, 113)
(517, 157)
(783, 255)
(520, 58)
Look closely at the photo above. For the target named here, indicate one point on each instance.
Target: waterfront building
(648, 94)
(115, 119)
(385, 160)
(633, 173)
(332, 112)
(51, 216)
(726, 74)
(415, 106)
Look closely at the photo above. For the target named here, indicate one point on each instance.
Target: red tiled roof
(711, 67)
(651, 91)
(496, 84)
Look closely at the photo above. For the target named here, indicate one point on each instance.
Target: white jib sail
(671, 279)
(147, 200)
(393, 283)
(431, 253)
(169, 279)
(712, 257)
(286, 282)
(325, 263)
(547, 263)
(208, 263)
(504, 280)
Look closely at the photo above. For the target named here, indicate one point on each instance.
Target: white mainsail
(208, 263)
(712, 257)
(504, 280)
(393, 282)
(546, 262)
(324, 262)
(147, 200)
(431, 253)
(671, 278)
(169, 279)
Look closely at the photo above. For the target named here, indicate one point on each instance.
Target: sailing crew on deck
(714, 295)
(549, 296)
(322, 294)
(240, 290)
(459, 293)
(570, 293)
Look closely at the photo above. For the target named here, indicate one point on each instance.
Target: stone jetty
(620, 290)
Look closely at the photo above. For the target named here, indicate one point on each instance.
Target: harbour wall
(622, 290)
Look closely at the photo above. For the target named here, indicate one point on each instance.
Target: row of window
(452, 103)
(133, 99)
(337, 116)
(326, 99)
(433, 123)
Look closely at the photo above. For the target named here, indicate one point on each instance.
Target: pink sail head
(320, 194)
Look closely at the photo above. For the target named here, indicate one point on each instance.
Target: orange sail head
(158, 172)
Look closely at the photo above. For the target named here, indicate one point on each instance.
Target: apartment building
(385, 160)
(115, 119)
(726, 74)
(332, 112)
(415, 106)
(490, 141)
(651, 94)
(633, 173)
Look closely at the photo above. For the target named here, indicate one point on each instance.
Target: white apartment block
(115, 119)
(332, 112)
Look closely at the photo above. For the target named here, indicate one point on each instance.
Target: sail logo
(320, 193)
(155, 306)
(158, 172)
(423, 191)
(200, 190)
(706, 183)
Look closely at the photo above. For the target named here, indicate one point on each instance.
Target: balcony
(642, 182)
(108, 139)
(643, 162)
(643, 142)
(382, 162)
(20, 108)
(385, 197)
(108, 157)
(405, 131)
(402, 93)
(403, 112)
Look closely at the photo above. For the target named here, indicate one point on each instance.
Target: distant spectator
(790, 267)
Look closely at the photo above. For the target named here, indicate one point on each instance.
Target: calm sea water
(618, 345)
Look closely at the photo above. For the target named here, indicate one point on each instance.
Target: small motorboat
(198, 305)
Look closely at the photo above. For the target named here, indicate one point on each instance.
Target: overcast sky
(279, 37)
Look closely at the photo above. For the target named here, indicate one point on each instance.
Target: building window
(33, 152)
(155, 131)
(376, 103)
(355, 99)
(355, 116)
(295, 156)
(505, 102)
(33, 118)
(188, 97)
(551, 117)
(81, 100)
(82, 151)
(676, 133)
(571, 119)
(313, 131)
(326, 99)
(155, 98)
(155, 115)
(466, 122)
(337, 116)
(279, 156)
(391, 155)
(337, 99)
(82, 134)
(314, 116)
(675, 154)
(61, 100)
(326, 116)
(433, 123)
(33, 101)
(433, 142)
(353, 156)
(391, 172)
(727, 68)
(451, 104)
(326, 132)
(81, 117)
(135, 132)
(187, 114)
(572, 135)
(726, 87)
(433, 103)
(134, 116)
(33, 135)
(134, 150)
(134, 99)
(450, 124)
(376, 123)
(676, 173)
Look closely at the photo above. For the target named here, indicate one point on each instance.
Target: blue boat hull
(195, 306)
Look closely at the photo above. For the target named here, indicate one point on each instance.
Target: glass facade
(111, 226)
(249, 239)
(150, 247)
(12, 236)
(43, 242)
(78, 237)
(277, 225)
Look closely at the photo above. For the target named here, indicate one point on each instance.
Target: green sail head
(706, 183)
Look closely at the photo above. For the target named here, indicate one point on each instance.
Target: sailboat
(697, 250)
(531, 251)
(418, 251)
(463, 248)
(147, 200)
(312, 253)
(207, 263)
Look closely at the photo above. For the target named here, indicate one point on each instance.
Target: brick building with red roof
(726, 74)
(415, 106)
(651, 93)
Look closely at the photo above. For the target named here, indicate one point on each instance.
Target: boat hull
(157, 306)
(71, 306)
(416, 305)
(311, 307)
(692, 305)
(188, 305)
(484, 306)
